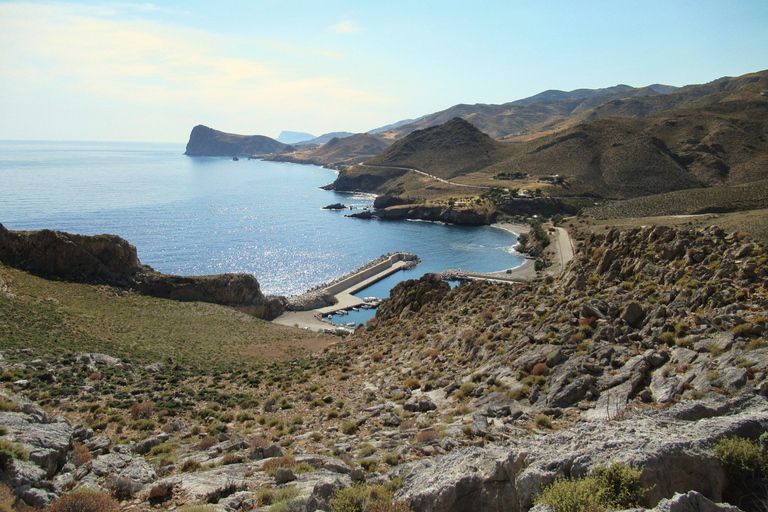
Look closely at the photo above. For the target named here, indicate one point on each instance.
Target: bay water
(200, 215)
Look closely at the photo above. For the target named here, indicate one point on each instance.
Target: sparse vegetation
(616, 487)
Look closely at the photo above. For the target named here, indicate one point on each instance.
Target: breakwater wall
(369, 270)
(324, 295)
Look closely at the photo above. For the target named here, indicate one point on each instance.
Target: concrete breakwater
(325, 295)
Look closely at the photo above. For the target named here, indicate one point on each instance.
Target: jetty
(342, 291)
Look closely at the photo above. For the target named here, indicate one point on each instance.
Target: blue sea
(194, 216)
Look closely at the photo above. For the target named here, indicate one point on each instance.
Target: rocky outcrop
(672, 448)
(436, 213)
(411, 295)
(546, 206)
(100, 258)
(47, 440)
(395, 208)
(111, 260)
(204, 141)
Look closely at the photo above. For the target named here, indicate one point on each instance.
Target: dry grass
(53, 317)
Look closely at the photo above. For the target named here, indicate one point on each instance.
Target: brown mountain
(204, 141)
(701, 136)
(503, 120)
(448, 150)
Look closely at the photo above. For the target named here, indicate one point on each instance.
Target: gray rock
(274, 450)
(572, 393)
(357, 475)
(732, 378)
(139, 470)
(239, 500)
(81, 433)
(633, 313)
(692, 501)
(666, 384)
(284, 475)
(26, 473)
(674, 457)
(155, 368)
(38, 498)
(47, 443)
(323, 491)
(99, 445)
(105, 465)
(145, 446)
(479, 425)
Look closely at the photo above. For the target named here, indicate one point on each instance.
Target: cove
(198, 215)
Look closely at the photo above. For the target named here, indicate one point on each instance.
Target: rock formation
(111, 260)
(204, 141)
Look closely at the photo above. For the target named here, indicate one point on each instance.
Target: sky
(128, 71)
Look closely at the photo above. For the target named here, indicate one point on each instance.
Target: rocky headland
(204, 141)
(111, 260)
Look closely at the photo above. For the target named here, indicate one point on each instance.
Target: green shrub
(668, 338)
(744, 329)
(465, 390)
(10, 451)
(7, 405)
(348, 427)
(542, 420)
(741, 458)
(392, 458)
(621, 483)
(368, 464)
(351, 499)
(84, 501)
(566, 495)
(616, 487)
(746, 466)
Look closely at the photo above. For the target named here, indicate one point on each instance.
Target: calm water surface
(193, 216)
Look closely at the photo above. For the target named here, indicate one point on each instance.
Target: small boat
(351, 324)
(342, 312)
(355, 309)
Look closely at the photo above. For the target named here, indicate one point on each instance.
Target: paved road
(436, 178)
(564, 248)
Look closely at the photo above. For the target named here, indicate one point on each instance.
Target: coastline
(312, 318)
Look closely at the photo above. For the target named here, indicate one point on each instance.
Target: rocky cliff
(204, 141)
(111, 260)
(465, 215)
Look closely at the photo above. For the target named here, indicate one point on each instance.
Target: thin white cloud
(345, 27)
(150, 65)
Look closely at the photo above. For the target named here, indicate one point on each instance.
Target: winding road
(432, 176)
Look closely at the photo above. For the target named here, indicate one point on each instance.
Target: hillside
(337, 153)
(719, 138)
(649, 350)
(204, 141)
(500, 121)
(451, 149)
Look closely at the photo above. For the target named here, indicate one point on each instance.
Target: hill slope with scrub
(483, 394)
